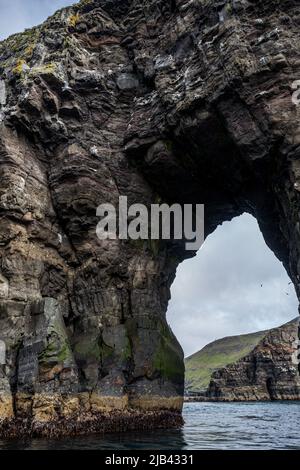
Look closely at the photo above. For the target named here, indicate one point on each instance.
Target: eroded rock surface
(158, 100)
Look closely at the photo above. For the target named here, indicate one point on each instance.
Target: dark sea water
(210, 426)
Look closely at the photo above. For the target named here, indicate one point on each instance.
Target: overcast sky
(16, 15)
(219, 292)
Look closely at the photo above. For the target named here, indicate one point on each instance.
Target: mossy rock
(57, 351)
(168, 359)
(92, 349)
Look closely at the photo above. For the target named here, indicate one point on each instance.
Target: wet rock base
(100, 423)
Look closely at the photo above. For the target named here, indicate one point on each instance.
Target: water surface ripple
(211, 426)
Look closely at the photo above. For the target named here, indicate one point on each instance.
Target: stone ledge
(88, 424)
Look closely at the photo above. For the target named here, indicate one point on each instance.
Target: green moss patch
(168, 358)
(92, 348)
(57, 351)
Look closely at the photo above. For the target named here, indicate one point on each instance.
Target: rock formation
(186, 101)
(268, 372)
(200, 367)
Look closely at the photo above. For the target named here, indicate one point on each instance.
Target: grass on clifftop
(220, 353)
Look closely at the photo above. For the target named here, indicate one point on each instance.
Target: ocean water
(211, 426)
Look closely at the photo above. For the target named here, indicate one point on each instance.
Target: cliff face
(173, 100)
(200, 366)
(269, 372)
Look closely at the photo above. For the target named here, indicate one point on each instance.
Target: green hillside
(201, 365)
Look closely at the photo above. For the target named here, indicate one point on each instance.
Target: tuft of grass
(74, 20)
(19, 68)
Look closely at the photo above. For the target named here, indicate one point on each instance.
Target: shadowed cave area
(159, 100)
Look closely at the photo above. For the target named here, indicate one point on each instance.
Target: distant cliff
(259, 366)
(216, 355)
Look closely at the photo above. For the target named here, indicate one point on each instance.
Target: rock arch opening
(235, 284)
(230, 296)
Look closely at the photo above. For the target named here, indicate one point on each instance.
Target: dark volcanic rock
(269, 372)
(172, 100)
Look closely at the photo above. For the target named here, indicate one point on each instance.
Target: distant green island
(216, 355)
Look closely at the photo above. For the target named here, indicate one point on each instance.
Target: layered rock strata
(269, 372)
(186, 101)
